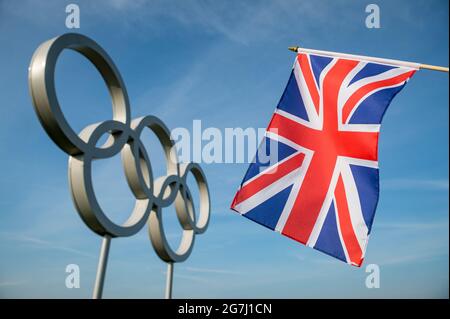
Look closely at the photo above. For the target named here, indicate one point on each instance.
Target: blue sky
(225, 63)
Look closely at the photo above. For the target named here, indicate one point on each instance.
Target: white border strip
(361, 58)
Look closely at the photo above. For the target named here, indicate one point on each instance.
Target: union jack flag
(322, 189)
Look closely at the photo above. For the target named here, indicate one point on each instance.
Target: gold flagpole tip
(293, 49)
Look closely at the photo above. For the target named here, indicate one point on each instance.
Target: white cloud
(212, 270)
(410, 259)
(440, 225)
(42, 243)
(238, 21)
(411, 183)
(11, 283)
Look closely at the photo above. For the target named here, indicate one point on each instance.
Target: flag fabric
(315, 176)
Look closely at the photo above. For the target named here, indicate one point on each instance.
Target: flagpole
(371, 59)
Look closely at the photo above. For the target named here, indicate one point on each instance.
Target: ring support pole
(101, 269)
(169, 280)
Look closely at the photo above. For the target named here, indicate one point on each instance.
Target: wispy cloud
(315, 260)
(412, 258)
(433, 242)
(42, 243)
(12, 283)
(237, 21)
(222, 18)
(202, 274)
(419, 184)
(414, 226)
(188, 277)
(212, 271)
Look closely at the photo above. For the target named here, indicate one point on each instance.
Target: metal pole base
(101, 269)
(169, 281)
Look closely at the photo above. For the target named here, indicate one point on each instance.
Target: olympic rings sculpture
(124, 138)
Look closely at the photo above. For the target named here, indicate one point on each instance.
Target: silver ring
(123, 137)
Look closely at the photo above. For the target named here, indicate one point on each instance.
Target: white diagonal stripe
(267, 192)
(306, 97)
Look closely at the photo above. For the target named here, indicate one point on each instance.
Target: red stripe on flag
(293, 131)
(345, 224)
(362, 91)
(268, 178)
(316, 183)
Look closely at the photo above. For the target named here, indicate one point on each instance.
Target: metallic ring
(41, 78)
(160, 244)
(123, 137)
(181, 203)
(82, 189)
